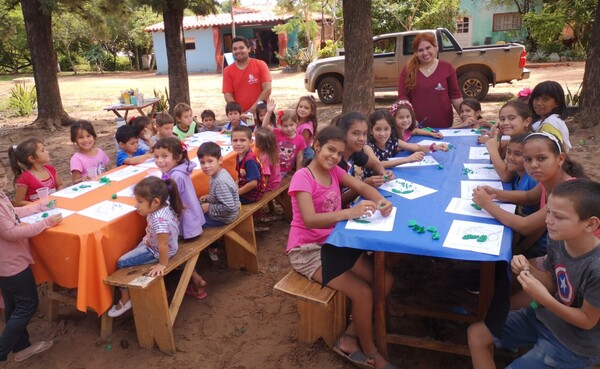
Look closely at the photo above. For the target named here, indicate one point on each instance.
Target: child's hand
(388, 176)
(441, 147)
(533, 287)
(365, 208)
(203, 198)
(157, 270)
(416, 156)
(51, 204)
(54, 220)
(519, 263)
(481, 197)
(492, 144)
(271, 105)
(385, 207)
(437, 135)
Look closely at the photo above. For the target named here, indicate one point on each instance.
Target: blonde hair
(412, 67)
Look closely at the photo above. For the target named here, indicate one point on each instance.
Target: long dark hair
(166, 191)
(175, 147)
(18, 155)
(313, 110)
(551, 89)
(384, 114)
(571, 167)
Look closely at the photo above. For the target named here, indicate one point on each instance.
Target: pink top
(326, 199)
(307, 126)
(288, 149)
(407, 135)
(14, 236)
(271, 170)
(81, 162)
(31, 183)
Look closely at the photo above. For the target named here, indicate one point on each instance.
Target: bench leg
(52, 302)
(240, 245)
(151, 313)
(106, 326)
(286, 203)
(322, 321)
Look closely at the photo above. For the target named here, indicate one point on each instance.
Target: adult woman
(430, 84)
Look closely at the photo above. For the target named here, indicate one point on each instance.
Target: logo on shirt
(251, 79)
(565, 287)
(439, 87)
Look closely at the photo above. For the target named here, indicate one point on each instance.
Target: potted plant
(572, 100)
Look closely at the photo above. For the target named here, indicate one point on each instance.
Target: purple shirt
(192, 218)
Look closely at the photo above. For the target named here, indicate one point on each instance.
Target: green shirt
(184, 134)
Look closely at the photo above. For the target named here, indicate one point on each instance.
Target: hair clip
(279, 115)
(132, 119)
(184, 146)
(14, 147)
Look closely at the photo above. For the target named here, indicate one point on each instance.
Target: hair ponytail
(573, 168)
(18, 155)
(174, 197)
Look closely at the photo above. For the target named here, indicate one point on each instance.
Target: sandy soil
(243, 324)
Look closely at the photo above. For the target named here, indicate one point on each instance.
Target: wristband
(432, 148)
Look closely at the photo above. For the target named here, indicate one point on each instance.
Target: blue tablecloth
(426, 211)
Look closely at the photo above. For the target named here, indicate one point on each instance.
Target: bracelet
(432, 148)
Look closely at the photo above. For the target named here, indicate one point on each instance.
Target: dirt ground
(243, 324)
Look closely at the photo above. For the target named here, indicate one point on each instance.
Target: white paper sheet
(197, 162)
(479, 153)
(457, 132)
(429, 142)
(480, 171)
(468, 207)
(124, 173)
(406, 189)
(427, 160)
(126, 192)
(148, 164)
(375, 222)
(78, 189)
(488, 241)
(467, 187)
(34, 218)
(107, 210)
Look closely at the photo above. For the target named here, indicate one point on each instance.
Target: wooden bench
(154, 317)
(322, 311)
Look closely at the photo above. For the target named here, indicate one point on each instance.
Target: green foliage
(14, 50)
(572, 99)
(292, 58)
(22, 100)
(163, 100)
(397, 16)
(441, 13)
(97, 57)
(329, 50)
(546, 28)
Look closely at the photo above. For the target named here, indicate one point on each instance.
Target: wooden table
(152, 101)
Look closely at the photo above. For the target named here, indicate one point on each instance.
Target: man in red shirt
(248, 80)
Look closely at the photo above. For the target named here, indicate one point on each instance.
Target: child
(562, 325)
(164, 127)
(185, 127)
(129, 152)
(208, 122)
(306, 110)
(317, 207)
(268, 157)
(157, 200)
(406, 122)
(470, 115)
(290, 144)
(261, 115)
(87, 156)
(143, 128)
(222, 204)
(547, 101)
(234, 114)
(29, 163)
(18, 286)
(171, 158)
(250, 179)
(385, 143)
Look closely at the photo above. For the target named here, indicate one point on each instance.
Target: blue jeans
(522, 328)
(138, 256)
(212, 222)
(21, 302)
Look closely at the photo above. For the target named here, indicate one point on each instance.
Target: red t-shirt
(31, 183)
(431, 97)
(246, 84)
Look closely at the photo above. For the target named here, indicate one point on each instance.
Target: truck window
(447, 44)
(384, 47)
(407, 44)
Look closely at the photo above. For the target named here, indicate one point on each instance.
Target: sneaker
(213, 255)
(261, 229)
(270, 218)
(115, 311)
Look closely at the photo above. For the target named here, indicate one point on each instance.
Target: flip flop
(199, 294)
(357, 358)
(32, 350)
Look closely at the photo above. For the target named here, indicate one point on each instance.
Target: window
(190, 43)
(385, 46)
(506, 22)
(462, 25)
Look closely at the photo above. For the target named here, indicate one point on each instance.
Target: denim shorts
(522, 328)
(138, 256)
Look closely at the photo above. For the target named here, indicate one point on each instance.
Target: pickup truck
(476, 67)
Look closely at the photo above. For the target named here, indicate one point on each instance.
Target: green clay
(435, 236)
(114, 196)
(440, 167)
(45, 215)
(431, 229)
(477, 207)
(421, 230)
(470, 237)
(412, 223)
(482, 238)
(533, 304)
(362, 221)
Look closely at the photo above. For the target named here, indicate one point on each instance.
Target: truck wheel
(330, 90)
(474, 85)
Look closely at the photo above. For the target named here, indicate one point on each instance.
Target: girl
(547, 101)
(317, 207)
(144, 130)
(268, 157)
(16, 279)
(406, 122)
(261, 113)
(87, 156)
(158, 200)
(290, 143)
(306, 110)
(170, 156)
(470, 115)
(515, 120)
(32, 155)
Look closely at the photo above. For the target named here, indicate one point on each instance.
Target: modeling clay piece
(533, 304)
(440, 167)
(362, 221)
(51, 203)
(428, 129)
(435, 236)
(45, 215)
(386, 177)
(75, 189)
(114, 196)
(467, 171)
(470, 237)
(482, 238)
(477, 207)
(431, 229)
(421, 230)
(105, 180)
(451, 147)
(412, 223)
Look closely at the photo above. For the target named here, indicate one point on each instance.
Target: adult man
(248, 80)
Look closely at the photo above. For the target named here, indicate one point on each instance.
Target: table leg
(486, 287)
(117, 113)
(152, 111)
(141, 111)
(379, 302)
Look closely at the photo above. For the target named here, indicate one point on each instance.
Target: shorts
(306, 259)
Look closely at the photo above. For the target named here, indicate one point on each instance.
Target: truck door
(385, 62)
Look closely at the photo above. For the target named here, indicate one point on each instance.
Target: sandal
(34, 349)
(357, 357)
(192, 290)
(270, 218)
(386, 366)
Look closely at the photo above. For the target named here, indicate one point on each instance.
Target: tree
(590, 92)
(358, 44)
(302, 10)
(14, 53)
(396, 16)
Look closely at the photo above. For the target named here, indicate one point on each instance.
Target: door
(385, 62)
(464, 31)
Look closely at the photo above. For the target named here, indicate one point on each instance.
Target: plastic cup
(43, 193)
(92, 173)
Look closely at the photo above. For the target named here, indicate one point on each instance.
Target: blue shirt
(122, 155)
(525, 183)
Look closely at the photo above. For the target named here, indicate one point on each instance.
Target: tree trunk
(38, 26)
(358, 44)
(590, 92)
(179, 88)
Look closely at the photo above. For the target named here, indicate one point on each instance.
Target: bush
(22, 100)
(329, 50)
(291, 57)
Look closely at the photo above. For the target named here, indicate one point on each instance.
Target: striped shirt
(163, 220)
(223, 198)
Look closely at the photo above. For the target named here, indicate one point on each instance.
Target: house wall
(482, 18)
(199, 60)
(160, 52)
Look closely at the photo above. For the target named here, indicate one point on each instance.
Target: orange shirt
(246, 84)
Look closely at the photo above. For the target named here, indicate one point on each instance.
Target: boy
(208, 122)
(562, 322)
(234, 114)
(185, 126)
(250, 179)
(164, 126)
(129, 152)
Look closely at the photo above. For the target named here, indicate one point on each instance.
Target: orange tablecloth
(81, 251)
